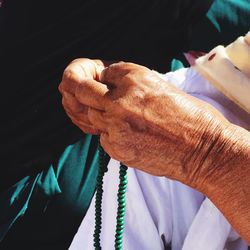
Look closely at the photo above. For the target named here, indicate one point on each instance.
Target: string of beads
(121, 199)
(98, 201)
(121, 210)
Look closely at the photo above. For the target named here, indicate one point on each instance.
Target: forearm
(227, 182)
(148, 123)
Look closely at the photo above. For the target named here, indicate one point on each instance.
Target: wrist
(216, 162)
(224, 158)
(227, 182)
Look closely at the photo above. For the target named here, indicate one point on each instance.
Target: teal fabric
(44, 211)
(14, 203)
(224, 22)
(176, 64)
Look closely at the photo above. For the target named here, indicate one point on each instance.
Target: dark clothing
(38, 40)
(47, 211)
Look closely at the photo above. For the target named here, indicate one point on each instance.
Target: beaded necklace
(121, 198)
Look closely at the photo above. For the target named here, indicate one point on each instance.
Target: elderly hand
(149, 124)
(143, 121)
(80, 72)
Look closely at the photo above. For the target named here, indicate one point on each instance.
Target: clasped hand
(143, 121)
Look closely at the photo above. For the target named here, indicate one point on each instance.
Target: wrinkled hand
(143, 121)
(80, 72)
(149, 124)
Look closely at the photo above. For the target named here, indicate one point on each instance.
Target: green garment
(45, 211)
(225, 21)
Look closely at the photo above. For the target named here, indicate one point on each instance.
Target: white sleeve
(161, 211)
(210, 230)
(148, 223)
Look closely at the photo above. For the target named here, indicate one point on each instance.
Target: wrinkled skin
(149, 124)
(143, 121)
(76, 74)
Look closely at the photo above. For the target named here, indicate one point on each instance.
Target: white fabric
(161, 211)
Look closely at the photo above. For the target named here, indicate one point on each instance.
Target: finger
(72, 75)
(68, 86)
(104, 140)
(84, 125)
(87, 129)
(110, 148)
(71, 103)
(80, 117)
(77, 71)
(96, 118)
(113, 76)
(81, 68)
(92, 93)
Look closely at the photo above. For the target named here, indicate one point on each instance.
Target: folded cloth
(228, 69)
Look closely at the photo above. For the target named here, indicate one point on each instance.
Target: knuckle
(106, 73)
(78, 60)
(74, 72)
(120, 64)
(68, 73)
(122, 67)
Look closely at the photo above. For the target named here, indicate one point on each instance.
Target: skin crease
(149, 124)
